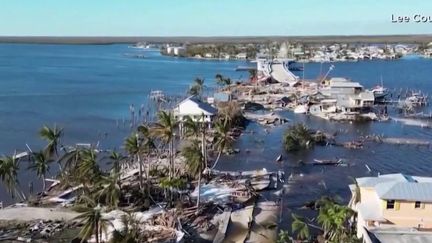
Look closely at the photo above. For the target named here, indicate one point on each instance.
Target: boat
(327, 162)
(279, 158)
(301, 109)
(380, 92)
(417, 99)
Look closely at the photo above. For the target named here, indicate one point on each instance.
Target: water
(87, 89)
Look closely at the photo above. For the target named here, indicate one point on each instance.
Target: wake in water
(413, 122)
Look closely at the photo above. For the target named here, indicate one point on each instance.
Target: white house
(196, 109)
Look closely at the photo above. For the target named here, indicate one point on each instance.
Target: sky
(210, 17)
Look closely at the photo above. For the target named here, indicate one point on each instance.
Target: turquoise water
(87, 89)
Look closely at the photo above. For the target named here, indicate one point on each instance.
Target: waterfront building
(241, 55)
(179, 50)
(175, 50)
(350, 96)
(393, 206)
(196, 109)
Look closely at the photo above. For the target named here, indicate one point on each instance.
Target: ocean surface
(88, 89)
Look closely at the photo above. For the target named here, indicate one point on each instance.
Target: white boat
(380, 92)
(279, 158)
(417, 99)
(301, 109)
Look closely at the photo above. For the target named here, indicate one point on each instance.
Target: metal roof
(205, 108)
(399, 187)
(409, 191)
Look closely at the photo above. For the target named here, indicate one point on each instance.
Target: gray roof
(400, 235)
(399, 187)
(202, 105)
(372, 181)
(409, 191)
(344, 83)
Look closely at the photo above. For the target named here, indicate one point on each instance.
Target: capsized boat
(327, 162)
(279, 158)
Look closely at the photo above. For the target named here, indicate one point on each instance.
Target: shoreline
(109, 40)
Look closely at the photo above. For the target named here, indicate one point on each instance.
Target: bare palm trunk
(199, 191)
(203, 146)
(217, 159)
(43, 184)
(171, 168)
(148, 174)
(172, 158)
(58, 161)
(97, 232)
(140, 172)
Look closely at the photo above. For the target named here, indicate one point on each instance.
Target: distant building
(350, 96)
(170, 50)
(393, 206)
(241, 55)
(178, 51)
(175, 50)
(196, 109)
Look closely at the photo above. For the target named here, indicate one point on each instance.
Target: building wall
(406, 215)
(403, 215)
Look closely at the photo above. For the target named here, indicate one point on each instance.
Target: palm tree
(194, 90)
(91, 217)
(164, 129)
(147, 147)
(116, 159)
(222, 138)
(88, 167)
(334, 219)
(132, 146)
(197, 87)
(9, 167)
(109, 190)
(191, 127)
(300, 227)
(220, 79)
(195, 163)
(232, 112)
(199, 83)
(297, 137)
(70, 159)
(194, 129)
(41, 164)
(131, 232)
(52, 136)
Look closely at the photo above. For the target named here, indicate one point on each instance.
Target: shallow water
(87, 89)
